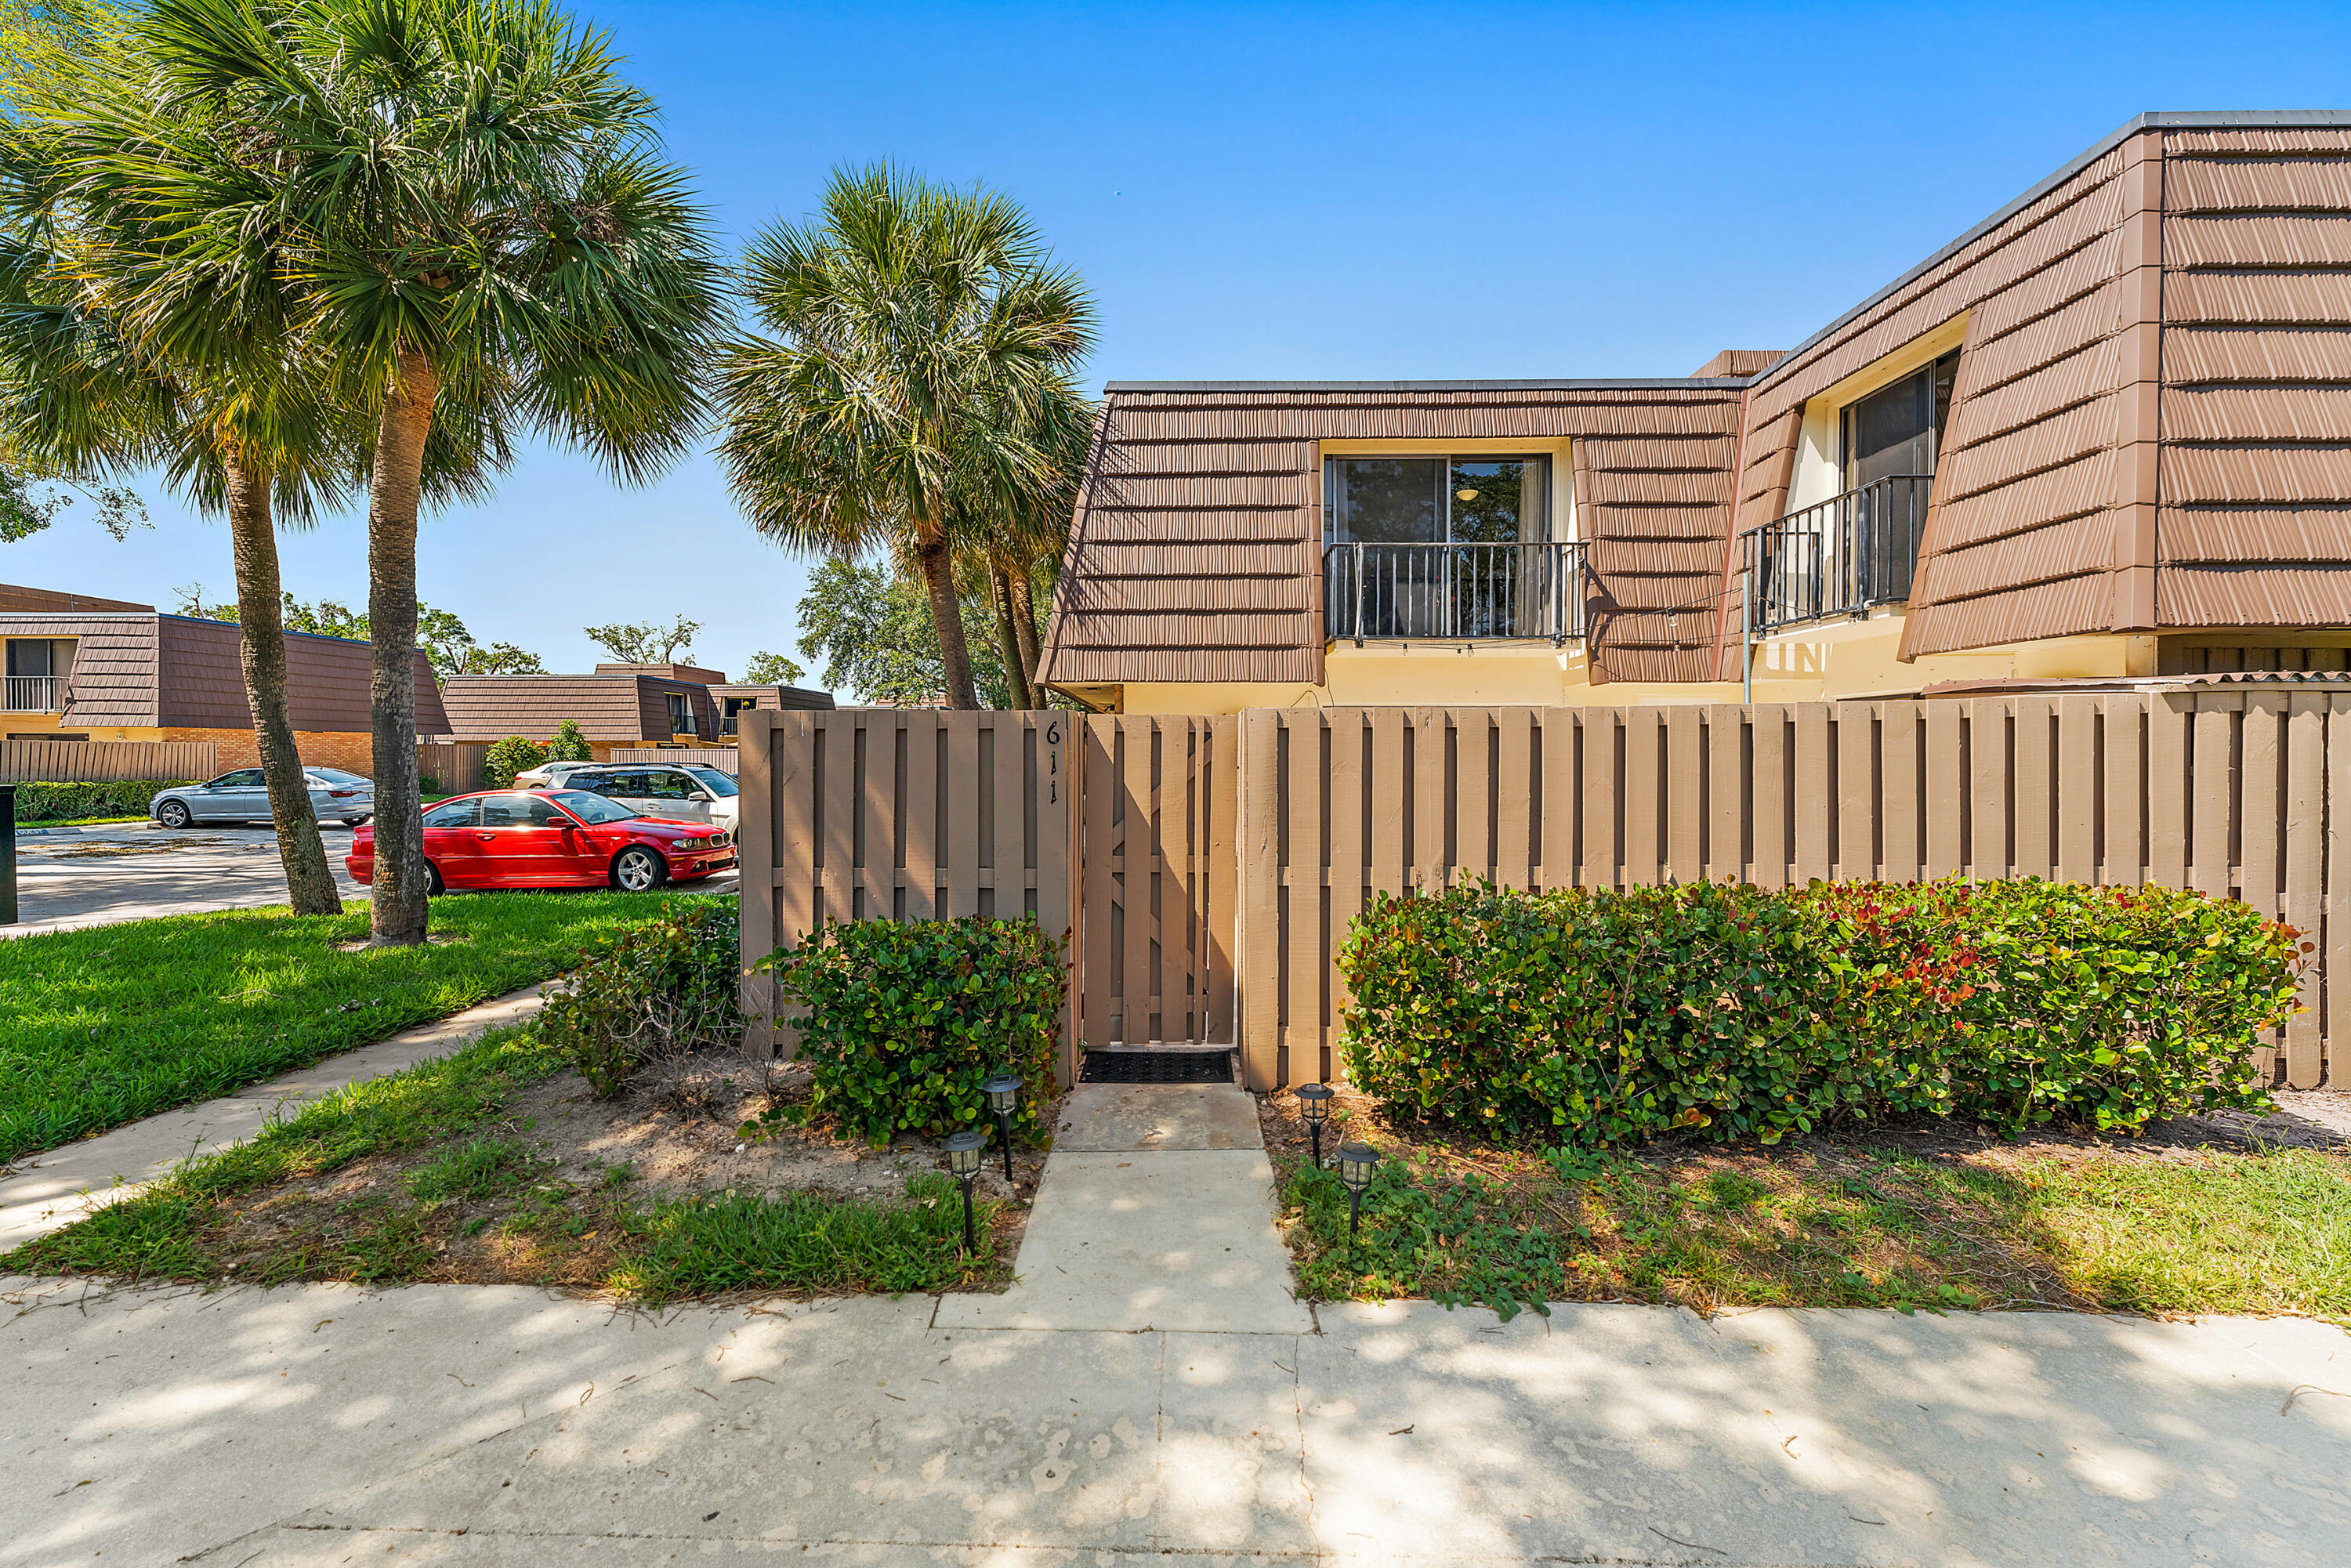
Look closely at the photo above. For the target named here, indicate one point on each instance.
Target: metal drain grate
(1157, 1066)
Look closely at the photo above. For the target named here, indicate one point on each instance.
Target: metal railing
(36, 693)
(1447, 591)
(1840, 557)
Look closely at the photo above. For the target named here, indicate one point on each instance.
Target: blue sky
(1313, 191)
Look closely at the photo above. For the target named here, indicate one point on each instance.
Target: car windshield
(592, 808)
(336, 776)
(717, 783)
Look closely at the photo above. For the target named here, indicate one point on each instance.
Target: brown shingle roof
(630, 708)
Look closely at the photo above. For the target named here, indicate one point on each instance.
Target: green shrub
(903, 1021)
(68, 802)
(569, 744)
(667, 987)
(507, 757)
(1732, 1010)
(426, 784)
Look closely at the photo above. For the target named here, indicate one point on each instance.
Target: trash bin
(7, 854)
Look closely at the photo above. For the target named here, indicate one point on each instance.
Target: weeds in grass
(803, 1241)
(102, 1026)
(477, 1168)
(1463, 1243)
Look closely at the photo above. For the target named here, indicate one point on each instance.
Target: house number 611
(1053, 777)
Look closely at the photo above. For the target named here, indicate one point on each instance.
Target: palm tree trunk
(396, 908)
(1015, 678)
(1024, 632)
(261, 613)
(931, 555)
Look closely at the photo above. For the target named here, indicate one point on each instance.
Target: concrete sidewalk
(45, 1192)
(1074, 1418)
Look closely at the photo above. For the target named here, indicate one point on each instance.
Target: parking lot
(135, 869)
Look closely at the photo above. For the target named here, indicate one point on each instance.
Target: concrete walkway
(45, 1192)
(1070, 1423)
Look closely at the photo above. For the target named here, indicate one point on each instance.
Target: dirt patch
(110, 850)
(546, 1191)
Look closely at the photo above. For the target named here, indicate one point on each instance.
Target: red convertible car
(553, 838)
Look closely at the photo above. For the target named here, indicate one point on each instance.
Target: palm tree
(77, 398)
(919, 342)
(469, 208)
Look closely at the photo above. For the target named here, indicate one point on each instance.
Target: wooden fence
(723, 758)
(1213, 864)
(877, 813)
(105, 761)
(2226, 792)
(455, 766)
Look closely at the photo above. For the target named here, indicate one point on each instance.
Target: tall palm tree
(917, 342)
(470, 209)
(76, 397)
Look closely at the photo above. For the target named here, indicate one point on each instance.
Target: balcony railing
(1839, 558)
(36, 693)
(1453, 590)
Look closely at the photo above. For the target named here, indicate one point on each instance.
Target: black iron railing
(1840, 557)
(1447, 590)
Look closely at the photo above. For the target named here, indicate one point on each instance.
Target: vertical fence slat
(1098, 799)
(1431, 803)
(2215, 803)
(1726, 786)
(877, 854)
(1899, 790)
(1473, 818)
(1856, 791)
(1007, 769)
(1989, 775)
(1602, 738)
(1685, 789)
(1349, 870)
(765, 886)
(1179, 935)
(1224, 876)
(1561, 798)
(1309, 965)
(1945, 787)
(841, 807)
(920, 811)
(2034, 785)
(2077, 788)
(2167, 786)
(2125, 817)
(2258, 823)
(1768, 790)
(1812, 803)
(1513, 801)
(2305, 863)
(1260, 916)
(1645, 741)
(1135, 879)
(1388, 846)
(2334, 940)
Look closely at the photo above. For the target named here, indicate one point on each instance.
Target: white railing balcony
(1443, 591)
(1840, 557)
(36, 693)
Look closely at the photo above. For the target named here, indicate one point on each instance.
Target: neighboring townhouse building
(2104, 435)
(620, 706)
(80, 668)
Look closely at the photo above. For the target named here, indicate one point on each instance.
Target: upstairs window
(681, 714)
(1434, 500)
(1898, 429)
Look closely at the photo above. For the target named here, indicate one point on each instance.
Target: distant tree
(637, 643)
(189, 600)
(569, 745)
(871, 627)
(326, 618)
(767, 669)
(450, 649)
(30, 502)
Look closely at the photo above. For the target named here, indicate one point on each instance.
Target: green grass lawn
(104, 1026)
(1850, 1220)
(434, 1176)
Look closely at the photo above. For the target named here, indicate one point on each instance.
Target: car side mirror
(698, 795)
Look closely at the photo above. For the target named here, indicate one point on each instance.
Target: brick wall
(354, 751)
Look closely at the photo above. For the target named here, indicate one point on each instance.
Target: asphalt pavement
(133, 871)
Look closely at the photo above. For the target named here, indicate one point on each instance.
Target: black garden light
(1316, 1100)
(964, 1154)
(1003, 1092)
(1356, 1163)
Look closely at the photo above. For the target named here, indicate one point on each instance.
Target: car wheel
(434, 886)
(174, 814)
(638, 870)
(353, 821)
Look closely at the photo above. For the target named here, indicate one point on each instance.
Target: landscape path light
(1316, 1100)
(1003, 1092)
(1356, 1163)
(963, 1163)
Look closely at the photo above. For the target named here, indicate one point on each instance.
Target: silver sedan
(239, 796)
